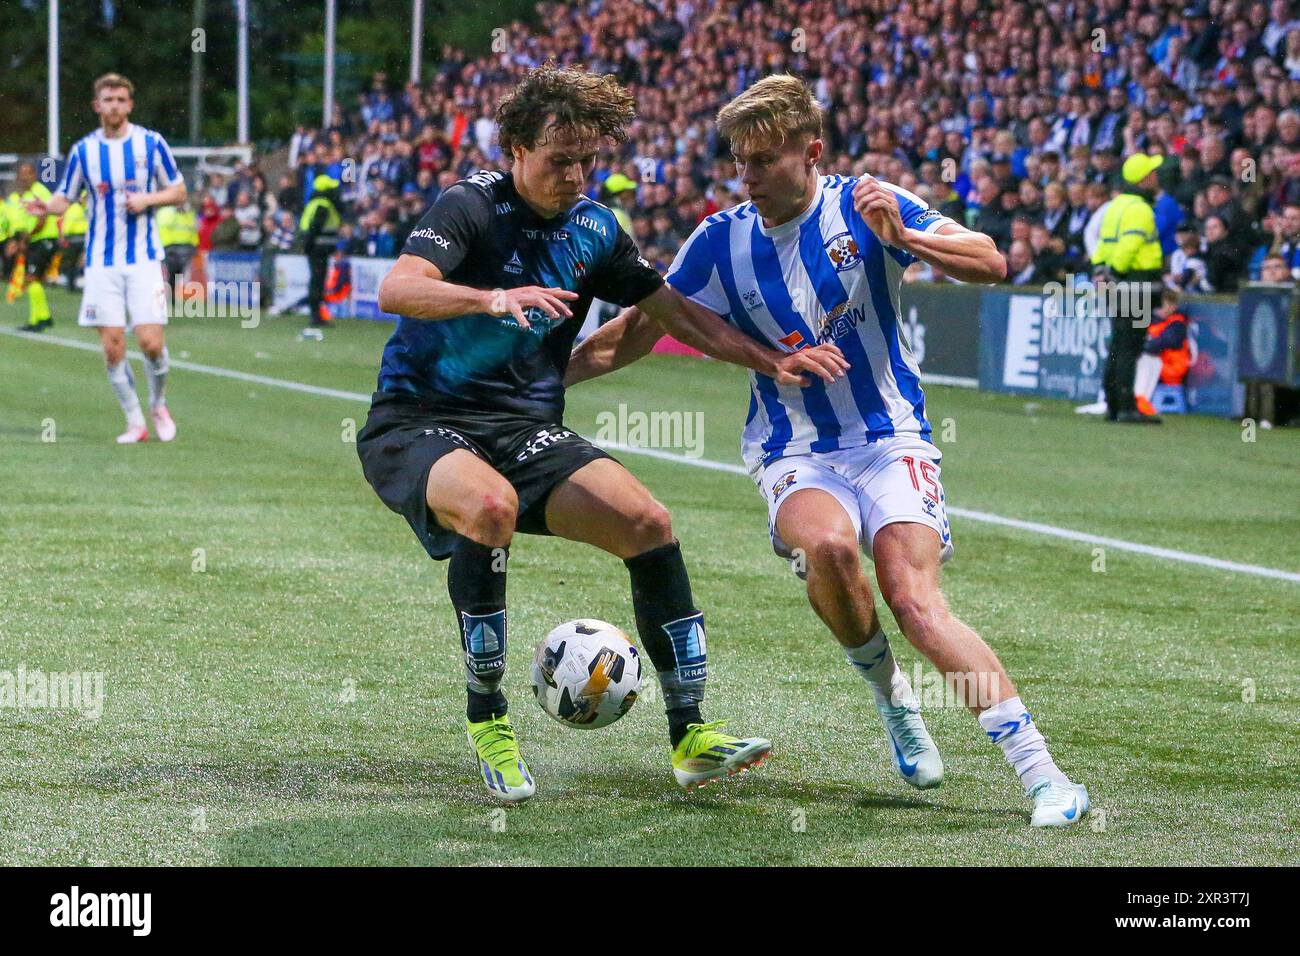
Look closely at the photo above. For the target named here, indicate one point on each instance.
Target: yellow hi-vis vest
(177, 227)
(332, 220)
(20, 200)
(1128, 240)
(74, 221)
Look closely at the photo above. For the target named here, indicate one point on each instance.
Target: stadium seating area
(1010, 116)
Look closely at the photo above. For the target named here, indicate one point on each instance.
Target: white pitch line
(985, 517)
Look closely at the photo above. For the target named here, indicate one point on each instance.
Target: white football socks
(1147, 376)
(156, 372)
(123, 382)
(1009, 726)
(875, 662)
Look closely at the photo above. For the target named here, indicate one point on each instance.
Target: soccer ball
(586, 674)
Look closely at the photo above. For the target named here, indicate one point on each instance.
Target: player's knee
(919, 615)
(491, 517)
(833, 555)
(652, 527)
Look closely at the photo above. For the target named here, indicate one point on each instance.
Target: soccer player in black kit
(465, 436)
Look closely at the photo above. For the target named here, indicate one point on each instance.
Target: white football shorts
(890, 480)
(112, 293)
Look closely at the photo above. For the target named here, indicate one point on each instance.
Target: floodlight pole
(52, 92)
(328, 110)
(417, 37)
(242, 123)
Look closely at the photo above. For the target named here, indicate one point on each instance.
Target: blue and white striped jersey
(108, 169)
(822, 277)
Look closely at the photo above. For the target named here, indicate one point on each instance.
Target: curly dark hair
(585, 103)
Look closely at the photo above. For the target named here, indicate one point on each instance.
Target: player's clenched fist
(515, 301)
(826, 361)
(878, 205)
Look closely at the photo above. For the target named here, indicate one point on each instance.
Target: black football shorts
(403, 438)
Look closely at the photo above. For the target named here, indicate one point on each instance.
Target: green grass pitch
(282, 682)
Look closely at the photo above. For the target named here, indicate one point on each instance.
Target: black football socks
(672, 632)
(476, 581)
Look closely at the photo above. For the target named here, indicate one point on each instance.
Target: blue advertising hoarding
(1031, 343)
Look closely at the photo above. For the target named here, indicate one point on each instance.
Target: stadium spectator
(249, 217)
(280, 230)
(1286, 238)
(1187, 263)
(1224, 267)
(1275, 270)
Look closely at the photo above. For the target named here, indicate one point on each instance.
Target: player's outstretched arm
(702, 329)
(621, 341)
(955, 250)
(415, 288)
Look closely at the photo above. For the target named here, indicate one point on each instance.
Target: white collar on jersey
(786, 228)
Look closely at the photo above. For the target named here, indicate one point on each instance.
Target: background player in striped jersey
(127, 171)
(814, 259)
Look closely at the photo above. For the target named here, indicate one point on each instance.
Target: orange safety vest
(1174, 363)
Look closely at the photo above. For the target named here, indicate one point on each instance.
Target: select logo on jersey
(782, 484)
(515, 265)
(437, 240)
(843, 252)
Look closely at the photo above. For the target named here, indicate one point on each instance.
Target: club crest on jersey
(843, 252)
(782, 483)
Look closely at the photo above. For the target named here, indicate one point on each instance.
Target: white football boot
(1058, 804)
(163, 426)
(915, 756)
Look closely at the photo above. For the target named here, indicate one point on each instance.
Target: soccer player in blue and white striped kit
(849, 465)
(127, 171)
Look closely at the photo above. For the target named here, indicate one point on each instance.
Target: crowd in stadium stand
(1012, 117)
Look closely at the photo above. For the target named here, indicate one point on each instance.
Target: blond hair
(772, 111)
(114, 81)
